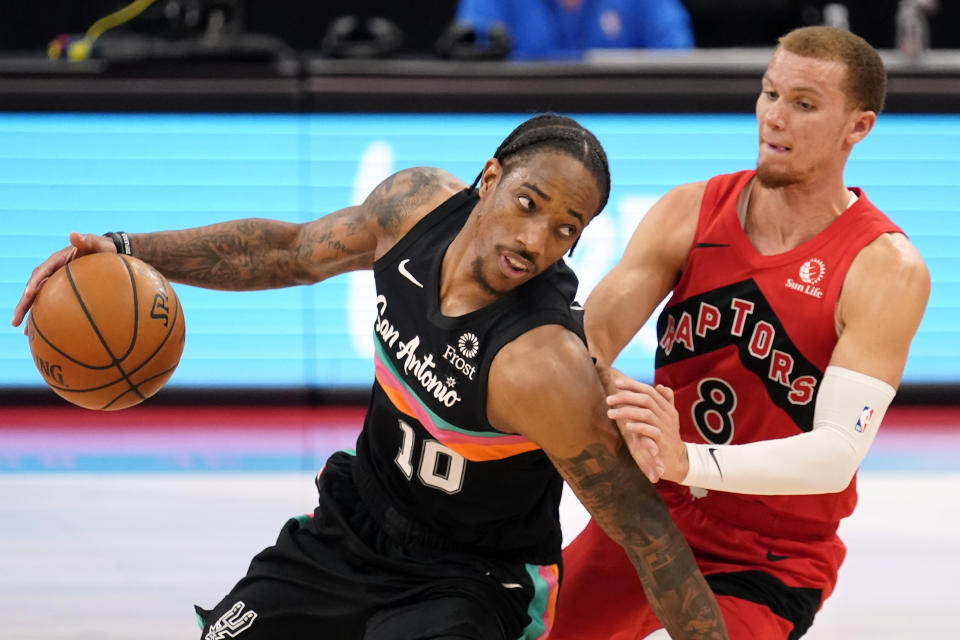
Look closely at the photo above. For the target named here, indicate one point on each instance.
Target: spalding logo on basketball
(106, 331)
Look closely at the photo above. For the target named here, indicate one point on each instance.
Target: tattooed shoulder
(406, 196)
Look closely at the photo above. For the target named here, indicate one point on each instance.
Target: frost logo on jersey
(450, 355)
(468, 345)
(811, 273)
(864, 420)
(232, 623)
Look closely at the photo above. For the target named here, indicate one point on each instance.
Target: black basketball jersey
(428, 458)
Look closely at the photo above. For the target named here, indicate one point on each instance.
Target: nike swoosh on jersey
(708, 245)
(713, 455)
(772, 557)
(402, 268)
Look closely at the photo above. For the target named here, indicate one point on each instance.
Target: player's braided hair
(557, 133)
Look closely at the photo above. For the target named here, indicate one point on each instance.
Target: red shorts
(767, 588)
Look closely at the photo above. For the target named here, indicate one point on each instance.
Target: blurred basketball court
(115, 524)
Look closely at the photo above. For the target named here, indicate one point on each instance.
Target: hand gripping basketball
(106, 331)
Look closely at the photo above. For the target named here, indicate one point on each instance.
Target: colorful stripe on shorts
(543, 606)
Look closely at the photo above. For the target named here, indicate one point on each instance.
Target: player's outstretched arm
(258, 253)
(543, 386)
(651, 265)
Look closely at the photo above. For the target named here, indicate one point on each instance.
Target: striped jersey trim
(543, 606)
(471, 445)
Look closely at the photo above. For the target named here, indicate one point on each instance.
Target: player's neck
(779, 219)
(459, 292)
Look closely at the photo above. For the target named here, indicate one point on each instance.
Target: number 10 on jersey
(440, 466)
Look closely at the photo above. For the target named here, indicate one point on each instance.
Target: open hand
(650, 425)
(80, 245)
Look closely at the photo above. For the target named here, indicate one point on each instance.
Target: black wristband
(121, 241)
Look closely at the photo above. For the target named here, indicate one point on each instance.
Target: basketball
(106, 331)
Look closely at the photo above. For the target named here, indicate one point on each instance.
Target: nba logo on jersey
(864, 420)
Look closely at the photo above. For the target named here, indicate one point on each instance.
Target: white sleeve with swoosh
(848, 411)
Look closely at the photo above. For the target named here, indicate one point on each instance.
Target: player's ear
(862, 125)
(489, 177)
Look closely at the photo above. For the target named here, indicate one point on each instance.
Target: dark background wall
(302, 23)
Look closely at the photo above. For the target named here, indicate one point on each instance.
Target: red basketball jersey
(744, 342)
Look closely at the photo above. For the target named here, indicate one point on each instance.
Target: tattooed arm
(261, 254)
(557, 401)
(258, 253)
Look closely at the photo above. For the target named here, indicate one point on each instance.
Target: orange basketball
(106, 331)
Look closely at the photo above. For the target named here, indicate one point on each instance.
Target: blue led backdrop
(94, 173)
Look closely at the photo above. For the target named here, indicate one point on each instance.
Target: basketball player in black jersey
(444, 523)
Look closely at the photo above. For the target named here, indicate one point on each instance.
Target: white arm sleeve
(848, 411)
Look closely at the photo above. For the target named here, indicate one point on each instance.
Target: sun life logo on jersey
(811, 273)
(468, 345)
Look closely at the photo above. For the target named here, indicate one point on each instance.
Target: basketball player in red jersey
(794, 301)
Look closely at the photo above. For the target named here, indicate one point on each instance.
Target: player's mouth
(514, 265)
(777, 148)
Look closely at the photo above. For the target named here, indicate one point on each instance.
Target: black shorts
(337, 576)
